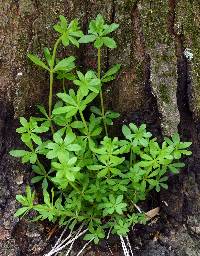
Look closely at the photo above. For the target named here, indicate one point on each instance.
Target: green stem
(50, 93)
(50, 99)
(101, 94)
(40, 165)
(131, 158)
(75, 187)
(84, 122)
(38, 161)
(51, 76)
(99, 63)
(63, 83)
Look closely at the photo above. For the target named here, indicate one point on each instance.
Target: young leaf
(98, 42)
(87, 39)
(21, 211)
(66, 64)
(18, 153)
(47, 55)
(110, 28)
(109, 42)
(112, 71)
(37, 61)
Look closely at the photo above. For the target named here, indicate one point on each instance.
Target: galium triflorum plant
(86, 175)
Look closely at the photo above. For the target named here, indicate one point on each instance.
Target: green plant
(88, 177)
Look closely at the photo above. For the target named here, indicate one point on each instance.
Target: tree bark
(158, 85)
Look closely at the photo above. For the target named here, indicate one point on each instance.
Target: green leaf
(88, 99)
(109, 42)
(74, 41)
(87, 39)
(63, 21)
(21, 211)
(107, 79)
(67, 98)
(33, 158)
(110, 28)
(21, 130)
(24, 122)
(37, 61)
(36, 179)
(38, 170)
(112, 71)
(102, 173)
(126, 131)
(47, 55)
(18, 153)
(97, 131)
(58, 28)
(72, 161)
(62, 110)
(57, 137)
(26, 138)
(112, 114)
(36, 139)
(163, 185)
(65, 39)
(22, 199)
(89, 237)
(95, 110)
(74, 147)
(95, 167)
(42, 110)
(77, 125)
(98, 43)
(43, 128)
(47, 198)
(66, 64)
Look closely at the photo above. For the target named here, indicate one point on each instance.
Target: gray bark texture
(158, 86)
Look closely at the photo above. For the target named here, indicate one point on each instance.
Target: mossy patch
(188, 23)
(164, 93)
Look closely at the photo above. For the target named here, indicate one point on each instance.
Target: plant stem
(101, 94)
(63, 83)
(40, 165)
(131, 157)
(50, 93)
(84, 122)
(75, 187)
(51, 76)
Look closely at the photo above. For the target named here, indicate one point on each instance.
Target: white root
(70, 235)
(68, 241)
(129, 245)
(74, 235)
(108, 236)
(138, 208)
(84, 247)
(61, 236)
(126, 246)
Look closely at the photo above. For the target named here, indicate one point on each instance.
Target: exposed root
(129, 245)
(84, 247)
(138, 208)
(126, 246)
(67, 242)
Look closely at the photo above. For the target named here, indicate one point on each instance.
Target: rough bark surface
(158, 85)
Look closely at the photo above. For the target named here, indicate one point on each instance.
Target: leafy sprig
(86, 175)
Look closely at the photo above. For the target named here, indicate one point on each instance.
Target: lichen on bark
(188, 24)
(161, 48)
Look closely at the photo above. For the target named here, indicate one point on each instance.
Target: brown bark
(157, 86)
